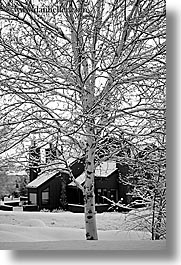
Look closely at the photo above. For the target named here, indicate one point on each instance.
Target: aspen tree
(74, 72)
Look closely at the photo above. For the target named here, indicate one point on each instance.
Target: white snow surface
(65, 230)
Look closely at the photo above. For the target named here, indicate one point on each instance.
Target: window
(45, 196)
(105, 195)
(114, 195)
(100, 193)
(33, 198)
(105, 192)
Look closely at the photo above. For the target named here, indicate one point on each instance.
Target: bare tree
(149, 183)
(75, 72)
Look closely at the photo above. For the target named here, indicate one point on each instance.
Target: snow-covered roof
(41, 179)
(51, 171)
(80, 179)
(71, 160)
(18, 173)
(103, 170)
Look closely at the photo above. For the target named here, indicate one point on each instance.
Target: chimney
(34, 161)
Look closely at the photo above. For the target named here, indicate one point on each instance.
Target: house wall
(74, 195)
(123, 189)
(33, 173)
(54, 186)
(108, 187)
(54, 191)
(110, 182)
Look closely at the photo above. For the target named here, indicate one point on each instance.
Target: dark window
(45, 196)
(105, 195)
(113, 195)
(99, 194)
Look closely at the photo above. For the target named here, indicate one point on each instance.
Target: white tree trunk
(89, 196)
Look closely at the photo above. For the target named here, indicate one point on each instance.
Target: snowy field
(65, 230)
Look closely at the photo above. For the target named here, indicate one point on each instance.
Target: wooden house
(107, 184)
(45, 191)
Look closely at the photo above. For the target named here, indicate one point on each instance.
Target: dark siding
(110, 182)
(33, 173)
(54, 185)
(123, 189)
(75, 195)
(55, 190)
(108, 187)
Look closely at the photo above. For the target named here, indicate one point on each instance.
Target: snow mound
(53, 222)
(33, 223)
(124, 235)
(21, 233)
(9, 236)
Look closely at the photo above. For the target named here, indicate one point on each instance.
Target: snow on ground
(65, 230)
